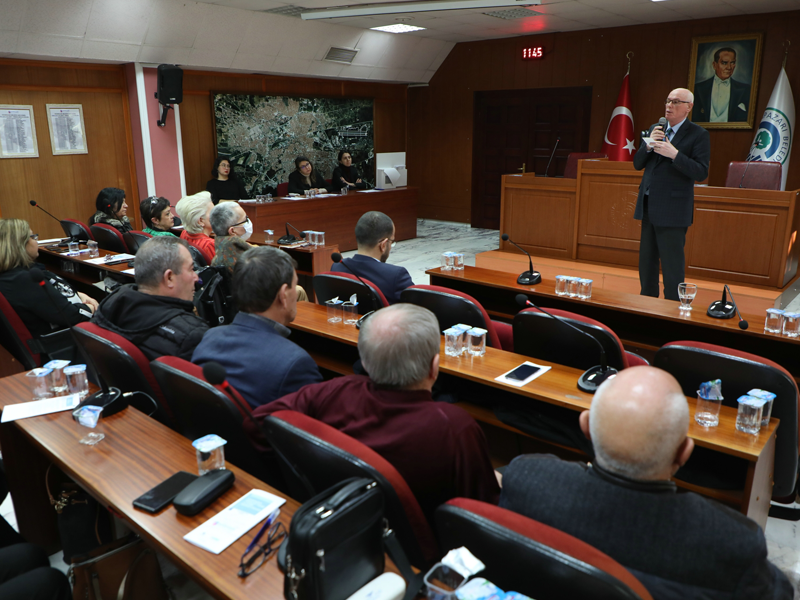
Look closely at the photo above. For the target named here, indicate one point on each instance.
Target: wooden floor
(754, 300)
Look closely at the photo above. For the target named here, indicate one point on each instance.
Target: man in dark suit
(375, 238)
(262, 363)
(676, 159)
(624, 504)
(721, 98)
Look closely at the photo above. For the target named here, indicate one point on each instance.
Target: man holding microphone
(676, 158)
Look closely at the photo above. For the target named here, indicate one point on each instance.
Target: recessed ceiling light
(398, 28)
(514, 13)
(404, 19)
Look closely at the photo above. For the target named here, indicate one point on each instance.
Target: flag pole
(786, 44)
(630, 56)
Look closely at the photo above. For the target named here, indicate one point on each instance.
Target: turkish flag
(618, 143)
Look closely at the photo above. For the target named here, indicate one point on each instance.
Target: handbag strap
(414, 581)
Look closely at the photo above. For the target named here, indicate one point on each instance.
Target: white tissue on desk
(463, 562)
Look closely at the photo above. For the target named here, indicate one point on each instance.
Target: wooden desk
(337, 216)
(640, 321)
(115, 472)
(334, 347)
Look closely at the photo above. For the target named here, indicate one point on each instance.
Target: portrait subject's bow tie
(725, 82)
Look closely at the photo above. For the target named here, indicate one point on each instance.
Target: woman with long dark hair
(111, 210)
(225, 185)
(305, 178)
(346, 175)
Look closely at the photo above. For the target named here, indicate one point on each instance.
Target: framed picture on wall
(723, 75)
(17, 132)
(67, 131)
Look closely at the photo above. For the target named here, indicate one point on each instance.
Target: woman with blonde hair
(43, 307)
(194, 212)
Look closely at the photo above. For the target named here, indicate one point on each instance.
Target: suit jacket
(390, 279)
(680, 546)
(740, 95)
(262, 364)
(671, 182)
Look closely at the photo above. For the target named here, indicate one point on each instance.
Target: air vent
(342, 55)
(287, 11)
(514, 13)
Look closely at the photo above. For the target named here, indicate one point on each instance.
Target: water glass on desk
(573, 285)
(268, 236)
(791, 324)
(774, 321)
(686, 293)
(320, 238)
(585, 289)
(39, 381)
(94, 249)
(707, 411)
(748, 419)
(447, 261)
(77, 381)
(562, 285)
(350, 313)
(477, 341)
(452, 341)
(58, 381)
(73, 249)
(334, 310)
(458, 261)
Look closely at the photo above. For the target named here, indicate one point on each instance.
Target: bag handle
(348, 491)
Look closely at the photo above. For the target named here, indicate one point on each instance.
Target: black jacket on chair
(671, 182)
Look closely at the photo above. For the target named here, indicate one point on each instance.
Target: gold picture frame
(712, 57)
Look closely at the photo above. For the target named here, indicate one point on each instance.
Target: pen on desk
(270, 520)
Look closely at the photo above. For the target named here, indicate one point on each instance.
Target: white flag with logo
(773, 141)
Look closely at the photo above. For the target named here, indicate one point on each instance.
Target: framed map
(262, 135)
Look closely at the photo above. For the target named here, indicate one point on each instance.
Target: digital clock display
(532, 53)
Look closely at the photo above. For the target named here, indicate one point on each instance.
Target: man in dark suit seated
(679, 545)
(375, 238)
(438, 448)
(721, 98)
(262, 363)
(676, 159)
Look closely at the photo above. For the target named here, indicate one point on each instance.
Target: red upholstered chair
(28, 350)
(282, 189)
(694, 362)
(452, 307)
(571, 168)
(134, 239)
(122, 365)
(201, 408)
(532, 558)
(332, 284)
(540, 336)
(76, 230)
(108, 238)
(754, 175)
(315, 456)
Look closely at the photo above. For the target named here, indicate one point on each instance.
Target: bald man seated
(680, 545)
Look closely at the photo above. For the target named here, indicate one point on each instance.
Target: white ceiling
(236, 35)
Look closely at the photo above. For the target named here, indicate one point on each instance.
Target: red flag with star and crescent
(619, 139)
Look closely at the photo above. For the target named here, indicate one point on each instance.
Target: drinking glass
(707, 411)
(686, 292)
(73, 248)
(573, 284)
(748, 419)
(791, 324)
(94, 249)
(458, 261)
(350, 313)
(76, 380)
(774, 322)
(58, 381)
(310, 236)
(320, 238)
(585, 289)
(344, 190)
(268, 236)
(39, 380)
(334, 311)
(447, 261)
(561, 285)
(452, 342)
(477, 341)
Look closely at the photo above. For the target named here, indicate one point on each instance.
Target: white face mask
(248, 230)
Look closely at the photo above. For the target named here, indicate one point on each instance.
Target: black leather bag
(335, 544)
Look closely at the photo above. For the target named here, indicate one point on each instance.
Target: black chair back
(329, 285)
(76, 230)
(134, 239)
(197, 258)
(214, 301)
(540, 336)
(450, 309)
(692, 363)
(108, 238)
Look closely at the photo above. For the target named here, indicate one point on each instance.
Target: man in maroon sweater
(438, 448)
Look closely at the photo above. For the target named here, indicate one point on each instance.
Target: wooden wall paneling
(790, 244)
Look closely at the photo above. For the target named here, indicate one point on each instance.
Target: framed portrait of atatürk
(723, 76)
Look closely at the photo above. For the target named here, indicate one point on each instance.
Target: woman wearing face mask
(195, 213)
(157, 215)
(225, 185)
(346, 175)
(305, 178)
(111, 210)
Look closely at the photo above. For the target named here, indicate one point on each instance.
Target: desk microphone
(337, 258)
(289, 238)
(552, 154)
(65, 241)
(529, 277)
(593, 377)
(722, 309)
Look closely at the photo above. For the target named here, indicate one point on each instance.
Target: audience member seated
(438, 448)
(25, 574)
(232, 227)
(157, 215)
(225, 185)
(195, 213)
(111, 210)
(45, 307)
(262, 364)
(305, 178)
(156, 313)
(678, 545)
(375, 239)
(346, 175)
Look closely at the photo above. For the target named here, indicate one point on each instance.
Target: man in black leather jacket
(156, 314)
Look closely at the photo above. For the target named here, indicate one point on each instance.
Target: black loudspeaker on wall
(170, 84)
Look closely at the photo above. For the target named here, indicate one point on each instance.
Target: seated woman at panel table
(305, 178)
(346, 175)
(111, 210)
(43, 307)
(157, 215)
(225, 185)
(195, 213)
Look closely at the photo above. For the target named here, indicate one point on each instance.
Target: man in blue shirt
(375, 238)
(262, 364)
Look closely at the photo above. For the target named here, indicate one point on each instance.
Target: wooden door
(513, 127)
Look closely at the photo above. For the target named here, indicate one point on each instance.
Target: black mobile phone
(164, 493)
(522, 372)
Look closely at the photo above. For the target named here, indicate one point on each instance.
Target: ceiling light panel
(398, 28)
(513, 13)
(370, 10)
